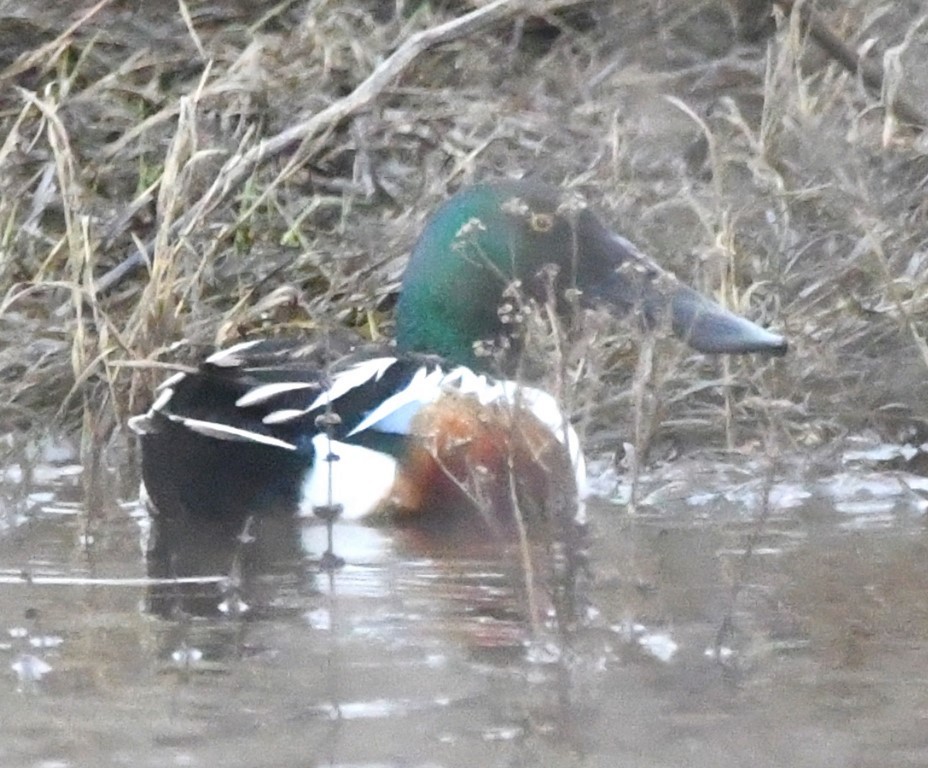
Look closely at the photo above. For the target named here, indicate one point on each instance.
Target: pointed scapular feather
(395, 413)
(230, 357)
(164, 397)
(283, 416)
(226, 432)
(350, 378)
(171, 382)
(265, 392)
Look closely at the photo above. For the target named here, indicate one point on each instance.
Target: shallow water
(720, 630)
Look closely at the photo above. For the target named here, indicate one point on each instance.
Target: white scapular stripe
(359, 479)
(265, 392)
(171, 382)
(344, 382)
(229, 357)
(225, 432)
(353, 377)
(164, 397)
(395, 414)
(283, 416)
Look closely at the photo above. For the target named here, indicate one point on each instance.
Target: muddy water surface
(721, 630)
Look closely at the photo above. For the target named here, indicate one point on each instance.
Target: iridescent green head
(490, 235)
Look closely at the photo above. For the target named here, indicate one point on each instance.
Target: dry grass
(762, 171)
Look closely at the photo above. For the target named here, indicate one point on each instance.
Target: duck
(445, 424)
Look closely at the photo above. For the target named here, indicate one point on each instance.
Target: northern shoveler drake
(261, 425)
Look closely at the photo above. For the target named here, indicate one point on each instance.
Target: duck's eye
(542, 222)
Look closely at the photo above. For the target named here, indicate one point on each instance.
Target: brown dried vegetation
(276, 188)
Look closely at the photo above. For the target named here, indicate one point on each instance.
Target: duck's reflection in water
(252, 552)
(495, 587)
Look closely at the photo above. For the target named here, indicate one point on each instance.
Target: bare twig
(870, 74)
(238, 167)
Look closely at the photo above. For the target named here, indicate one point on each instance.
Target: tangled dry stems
(276, 171)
